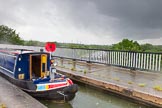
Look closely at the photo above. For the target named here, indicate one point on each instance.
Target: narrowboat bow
(33, 72)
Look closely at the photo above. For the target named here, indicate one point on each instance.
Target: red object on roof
(50, 47)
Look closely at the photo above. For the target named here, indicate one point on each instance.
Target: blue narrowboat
(34, 73)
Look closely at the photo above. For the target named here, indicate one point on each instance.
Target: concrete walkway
(12, 97)
(140, 85)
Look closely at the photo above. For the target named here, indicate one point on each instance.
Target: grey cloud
(139, 17)
(144, 13)
(18, 12)
(135, 19)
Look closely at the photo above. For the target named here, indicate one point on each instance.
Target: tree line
(9, 36)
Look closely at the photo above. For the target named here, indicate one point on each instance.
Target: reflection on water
(91, 98)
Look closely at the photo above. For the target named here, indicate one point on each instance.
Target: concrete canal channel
(139, 86)
(89, 97)
(13, 97)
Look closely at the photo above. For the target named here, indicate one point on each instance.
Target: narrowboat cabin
(34, 73)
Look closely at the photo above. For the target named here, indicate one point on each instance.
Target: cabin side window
(2, 59)
(7, 62)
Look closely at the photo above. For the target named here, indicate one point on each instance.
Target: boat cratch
(34, 73)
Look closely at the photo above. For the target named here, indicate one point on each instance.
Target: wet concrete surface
(12, 97)
(134, 80)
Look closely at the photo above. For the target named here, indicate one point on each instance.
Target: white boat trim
(6, 70)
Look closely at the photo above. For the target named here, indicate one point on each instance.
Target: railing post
(89, 56)
(106, 57)
(72, 53)
(73, 64)
(160, 62)
(89, 66)
(61, 62)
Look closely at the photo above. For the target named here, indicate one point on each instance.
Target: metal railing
(133, 60)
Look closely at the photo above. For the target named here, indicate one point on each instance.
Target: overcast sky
(84, 21)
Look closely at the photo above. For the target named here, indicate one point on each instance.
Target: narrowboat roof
(17, 51)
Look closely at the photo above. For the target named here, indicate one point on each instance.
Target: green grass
(73, 69)
(116, 79)
(141, 84)
(130, 82)
(80, 70)
(158, 88)
(85, 71)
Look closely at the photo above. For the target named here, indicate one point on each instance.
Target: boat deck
(146, 87)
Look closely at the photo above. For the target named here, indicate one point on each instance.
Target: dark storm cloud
(141, 13)
(137, 19)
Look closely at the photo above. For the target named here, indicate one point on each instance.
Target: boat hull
(59, 94)
(56, 94)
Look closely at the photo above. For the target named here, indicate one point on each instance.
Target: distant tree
(34, 43)
(158, 48)
(127, 45)
(151, 48)
(8, 35)
(147, 47)
(136, 46)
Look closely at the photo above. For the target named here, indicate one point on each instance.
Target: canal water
(88, 97)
